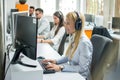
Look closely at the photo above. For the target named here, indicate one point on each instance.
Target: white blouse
(57, 38)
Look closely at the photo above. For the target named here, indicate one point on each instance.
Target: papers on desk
(63, 76)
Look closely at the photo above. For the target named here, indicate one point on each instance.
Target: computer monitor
(14, 10)
(116, 24)
(89, 18)
(25, 38)
(13, 22)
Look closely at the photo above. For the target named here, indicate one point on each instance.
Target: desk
(63, 76)
(26, 73)
(20, 72)
(47, 51)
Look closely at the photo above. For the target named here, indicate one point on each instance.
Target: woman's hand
(53, 67)
(40, 37)
(49, 60)
(40, 40)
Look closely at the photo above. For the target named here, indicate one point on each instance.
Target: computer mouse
(40, 57)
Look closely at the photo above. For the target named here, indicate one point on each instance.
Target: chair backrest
(62, 43)
(101, 31)
(100, 45)
(51, 25)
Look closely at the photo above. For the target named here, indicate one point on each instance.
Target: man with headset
(43, 23)
(79, 53)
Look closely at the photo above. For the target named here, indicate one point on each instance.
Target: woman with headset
(79, 53)
(54, 37)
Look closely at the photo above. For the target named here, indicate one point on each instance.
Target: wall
(117, 8)
(1, 39)
(109, 6)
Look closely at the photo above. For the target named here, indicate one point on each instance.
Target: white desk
(20, 72)
(63, 76)
(46, 51)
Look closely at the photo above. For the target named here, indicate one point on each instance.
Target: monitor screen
(116, 22)
(14, 10)
(25, 37)
(13, 22)
(89, 17)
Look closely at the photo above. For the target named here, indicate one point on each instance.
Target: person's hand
(40, 40)
(40, 36)
(49, 60)
(53, 67)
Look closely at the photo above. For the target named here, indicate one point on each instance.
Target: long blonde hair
(73, 16)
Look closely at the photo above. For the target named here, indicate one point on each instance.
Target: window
(67, 5)
(94, 7)
(49, 6)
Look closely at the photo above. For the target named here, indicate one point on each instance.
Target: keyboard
(45, 71)
(117, 33)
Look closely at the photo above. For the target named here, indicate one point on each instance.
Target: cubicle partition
(1, 39)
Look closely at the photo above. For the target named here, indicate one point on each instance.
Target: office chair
(51, 25)
(62, 43)
(100, 47)
(101, 31)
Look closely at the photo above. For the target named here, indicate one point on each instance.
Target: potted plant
(22, 1)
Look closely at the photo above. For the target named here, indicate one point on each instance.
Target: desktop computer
(14, 14)
(116, 25)
(24, 65)
(25, 38)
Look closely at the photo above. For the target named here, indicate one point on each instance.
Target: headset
(78, 23)
(61, 15)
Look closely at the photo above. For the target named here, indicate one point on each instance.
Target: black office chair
(62, 43)
(101, 31)
(51, 25)
(100, 47)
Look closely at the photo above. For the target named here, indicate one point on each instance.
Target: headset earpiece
(78, 23)
(61, 16)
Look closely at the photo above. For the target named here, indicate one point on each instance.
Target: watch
(61, 67)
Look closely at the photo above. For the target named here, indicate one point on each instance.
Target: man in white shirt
(43, 23)
(31, 11)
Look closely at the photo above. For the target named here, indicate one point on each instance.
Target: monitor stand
(17, 57)
(24, 64)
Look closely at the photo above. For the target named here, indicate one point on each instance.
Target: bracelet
(61, 67)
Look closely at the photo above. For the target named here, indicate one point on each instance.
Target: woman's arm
(81, 60)
(58, 36)
(40, 36)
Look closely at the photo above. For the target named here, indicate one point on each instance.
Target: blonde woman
(79, 54)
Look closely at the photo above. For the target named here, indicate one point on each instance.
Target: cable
(8, 48)
(6, 71)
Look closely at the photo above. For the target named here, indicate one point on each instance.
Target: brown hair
(59, 14)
